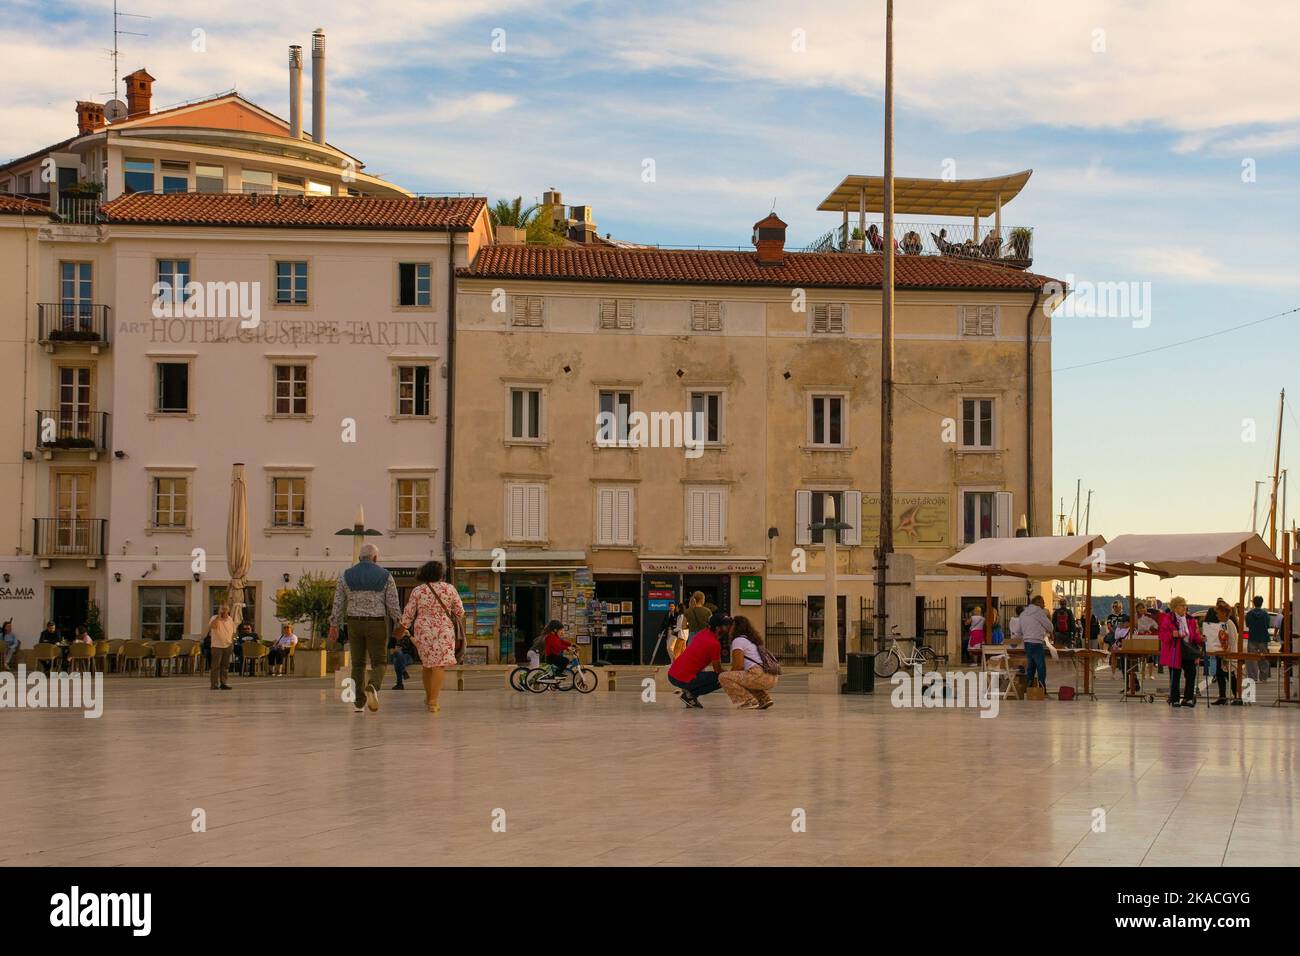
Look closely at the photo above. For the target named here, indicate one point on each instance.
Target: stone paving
(284, 773)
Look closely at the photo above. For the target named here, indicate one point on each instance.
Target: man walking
(704, 650)
(1035, 626)
(366, 596)
(1257, 639)
(221, 639)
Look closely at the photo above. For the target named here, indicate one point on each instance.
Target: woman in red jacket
(1181, 648)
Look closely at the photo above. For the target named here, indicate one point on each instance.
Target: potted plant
(857, 242)
(312, 599)
(1019, 240)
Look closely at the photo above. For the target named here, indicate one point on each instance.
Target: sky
(1164, 137)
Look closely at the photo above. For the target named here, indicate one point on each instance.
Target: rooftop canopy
(1215, 554)
(928, 197)
(1064, 556)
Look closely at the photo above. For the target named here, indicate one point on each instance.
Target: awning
(1064, 556)
(1214, 554)
(928, 197)
(684, 565)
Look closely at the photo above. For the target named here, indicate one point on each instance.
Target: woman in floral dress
(430, 616)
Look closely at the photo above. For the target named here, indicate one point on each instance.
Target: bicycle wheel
(928, 658)
(585, 680)
(565, 681)
(534, 680)
(517, 677)
(886, 663)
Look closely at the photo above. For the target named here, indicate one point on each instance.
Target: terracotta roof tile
(800, 269)
(19, 206)
(436, 214)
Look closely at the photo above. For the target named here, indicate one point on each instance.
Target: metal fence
(867, 624)
(785, 629)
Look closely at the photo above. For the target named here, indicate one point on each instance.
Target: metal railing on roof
(956, 240)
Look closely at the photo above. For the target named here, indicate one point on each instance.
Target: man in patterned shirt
(367, 596)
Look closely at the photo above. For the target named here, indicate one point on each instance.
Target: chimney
(295, 91)
(139, 93)
(318, 85)
(90, 117)
(769, 240)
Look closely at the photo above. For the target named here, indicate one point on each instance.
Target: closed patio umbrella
(237, 556)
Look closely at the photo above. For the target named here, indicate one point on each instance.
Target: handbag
(1191, 652)
(457, 623)
(1036, 691)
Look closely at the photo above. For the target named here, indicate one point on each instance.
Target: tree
(511, 212)
(311, 600)
(93, 625)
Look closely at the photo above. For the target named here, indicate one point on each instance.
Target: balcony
(69, 538)
(957, 240)
(73, 323)
(80, 210)
(72, 431)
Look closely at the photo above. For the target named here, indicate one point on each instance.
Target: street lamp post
(357, 532)
(830, 527)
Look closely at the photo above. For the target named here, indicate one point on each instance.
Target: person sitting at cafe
(9, 643)
(82, 636)
(50, 635)
(244, 633)
(278, 657)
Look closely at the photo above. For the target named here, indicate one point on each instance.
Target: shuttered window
(706, 316)
(828, 318)
(617, 314)
(614, 515)
(527, 311)
(526, 511)
(706, 517)
(979, 320)
(810, 509)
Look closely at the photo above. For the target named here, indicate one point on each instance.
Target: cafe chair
(169, 652)
(114, 659)
(81, 657)
(45, 654)
(101, 655)
(255, 658)
(190, 653)
(136, 652)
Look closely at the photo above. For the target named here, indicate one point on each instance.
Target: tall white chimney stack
(295, 91)
(318, 85)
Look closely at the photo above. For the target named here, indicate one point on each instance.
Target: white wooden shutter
(604, 515)
(706, 316)
(979, 320)
(802, 517)
(852, 515)
(625, 314)
(535, 310)
(715, 516)
(695, 509)
(608, 313)
(535, 512)
(1002, 515)
(623, 509)
(515, 512)
(520, 303)
(821, 317)
(697, 316)
(835, 318)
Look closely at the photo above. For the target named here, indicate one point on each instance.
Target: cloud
(1194, 265)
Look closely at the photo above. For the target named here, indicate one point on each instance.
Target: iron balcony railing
(69, 537)
(73, 322)
(1015, 246)
(80, 210)
(60, 428)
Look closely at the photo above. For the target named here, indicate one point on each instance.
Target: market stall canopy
(1213, 554)
(1063, 556)
(929, 197)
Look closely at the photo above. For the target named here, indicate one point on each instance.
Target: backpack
(1062, 621)
(767, 660)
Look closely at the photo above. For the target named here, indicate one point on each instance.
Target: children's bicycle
(517, 678)
(576, 676)
(892, 658)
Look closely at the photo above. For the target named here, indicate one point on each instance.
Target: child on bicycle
(554, 645)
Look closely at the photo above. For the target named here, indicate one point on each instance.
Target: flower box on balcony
(74, 335)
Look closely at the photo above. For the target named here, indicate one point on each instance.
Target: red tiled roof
(437, 214)
(19, 206)
(800, 269)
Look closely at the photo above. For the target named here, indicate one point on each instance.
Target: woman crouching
(748, 681)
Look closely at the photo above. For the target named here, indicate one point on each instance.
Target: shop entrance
(69, 608)
(621, 641)
(716, 588)
(523, 612)
(817, 626)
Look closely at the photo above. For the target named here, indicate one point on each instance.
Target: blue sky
(1135, 117)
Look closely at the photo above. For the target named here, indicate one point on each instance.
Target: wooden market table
(1283, 692)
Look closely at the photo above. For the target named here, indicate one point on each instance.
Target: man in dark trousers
(688, 673)
(366, 596)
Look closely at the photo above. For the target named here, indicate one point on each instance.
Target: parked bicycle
(575, 676)
(892, 658)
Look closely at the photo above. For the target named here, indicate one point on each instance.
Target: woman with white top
(747, 683)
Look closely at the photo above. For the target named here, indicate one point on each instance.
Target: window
(615, 412)
(706, 417)
(170, 502)
(76, 286)
(977, 423)
(527, 312)
(289, 502)
(175, 176)
(526, 512)
(289, 185)
(826, 421)
(979, 320)
(291, 283)
(828, 318)
(291, 390)
(74, 400)
(258, 181)
(706, 517)
(413, 504)
(413, 391)
(174, 277)
(172, 395)
(413, 285)
(706, 316)
(614, 515)
(209, 179)
(985, 514)
(162, 614)
(138, 175)
(526, 414)
(617, 314)
(318, 189)
(810, 509)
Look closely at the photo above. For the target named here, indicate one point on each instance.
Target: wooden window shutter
(625, 314)
(695, 507)
(713, 316)
(608, 313)
(715, 516)
(979, 320)
(802, 517)
(623, 516)
(821, 317)
(1002, 527)
(605, 516)
(835, 318)
(515, 512)
(698, 316)
(852, 515)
